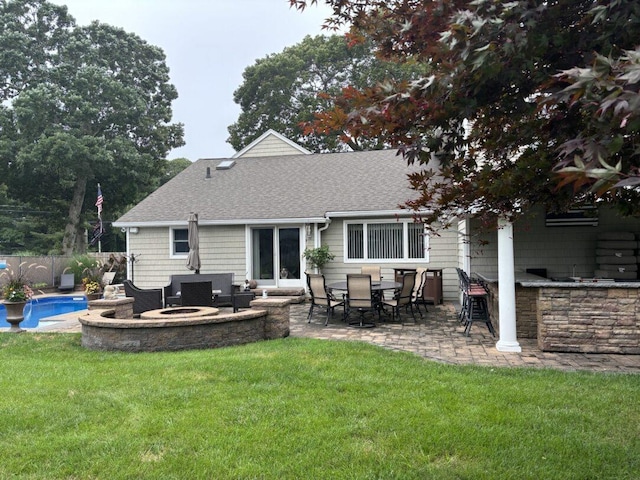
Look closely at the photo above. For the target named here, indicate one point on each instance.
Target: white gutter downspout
(317, 237)
(318, 240)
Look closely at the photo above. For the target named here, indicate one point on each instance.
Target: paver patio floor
(438, 336)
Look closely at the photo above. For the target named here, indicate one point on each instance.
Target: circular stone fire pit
(187, 313)
(184, 328)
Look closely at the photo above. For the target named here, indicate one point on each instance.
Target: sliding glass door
(276, 255)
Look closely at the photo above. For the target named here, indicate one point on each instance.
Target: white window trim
(405, 238)
(278, 282)
(172, 255)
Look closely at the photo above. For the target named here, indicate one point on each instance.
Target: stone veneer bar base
(589, 319)
(526, 298)
(576, 317)
(267, 319)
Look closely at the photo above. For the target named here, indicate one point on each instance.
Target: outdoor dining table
(375, 286)
(377, 289)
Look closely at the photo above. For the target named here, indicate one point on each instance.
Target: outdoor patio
(437, 336)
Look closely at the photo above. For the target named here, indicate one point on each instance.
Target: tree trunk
(73, 219)
(81, 239)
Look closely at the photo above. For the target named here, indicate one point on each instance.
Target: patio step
(296, 295)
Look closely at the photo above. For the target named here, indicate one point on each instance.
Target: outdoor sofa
(221, 283)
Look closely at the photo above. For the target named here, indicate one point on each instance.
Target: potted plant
(318, 257)
(90, 271)
(92, 288)
(16, 293)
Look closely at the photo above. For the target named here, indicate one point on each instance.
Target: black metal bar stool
(475, 307)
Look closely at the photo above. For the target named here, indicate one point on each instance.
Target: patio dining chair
(360, 299)
(403, 297)
(373, 270)
(196, 294)
(321, 297)
(417, 296)
(376, 276)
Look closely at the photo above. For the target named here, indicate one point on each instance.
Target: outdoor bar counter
(582, 315)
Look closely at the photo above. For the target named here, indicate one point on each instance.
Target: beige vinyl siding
(557, 249)
(271, 146)
(150, 247)
(443, 253)
(222, 249)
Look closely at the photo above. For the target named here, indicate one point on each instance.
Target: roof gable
(271, 143)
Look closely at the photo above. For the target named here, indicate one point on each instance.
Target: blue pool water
(39, 308)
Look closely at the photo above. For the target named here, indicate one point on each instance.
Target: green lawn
(304, 409)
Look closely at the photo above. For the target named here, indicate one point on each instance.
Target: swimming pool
(39, 308)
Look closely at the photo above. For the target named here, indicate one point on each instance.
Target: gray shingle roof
(280, 187)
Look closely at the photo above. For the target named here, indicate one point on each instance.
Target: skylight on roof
(225, 164)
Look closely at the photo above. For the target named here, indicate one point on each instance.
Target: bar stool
(478, 311)
(475, 306)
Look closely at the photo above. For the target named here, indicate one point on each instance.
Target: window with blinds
(386, 241)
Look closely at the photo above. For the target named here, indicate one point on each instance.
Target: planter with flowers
(92, 288)
(90, 270)
(16, 292)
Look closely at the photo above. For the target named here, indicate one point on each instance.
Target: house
(260, 210)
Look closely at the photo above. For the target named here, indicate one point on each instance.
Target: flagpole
(99, 205)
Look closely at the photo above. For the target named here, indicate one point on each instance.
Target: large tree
(97, 111)
(526, 102)
(174, 167)
(284, 90)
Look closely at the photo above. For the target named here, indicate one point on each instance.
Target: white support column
(508, 341)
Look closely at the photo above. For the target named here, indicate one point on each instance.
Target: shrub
(318, 257)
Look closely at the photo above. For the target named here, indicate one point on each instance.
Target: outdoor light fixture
(133, 230)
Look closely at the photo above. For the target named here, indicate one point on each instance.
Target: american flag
(99, 201)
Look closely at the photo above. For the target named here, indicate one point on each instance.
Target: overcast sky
(208, 44)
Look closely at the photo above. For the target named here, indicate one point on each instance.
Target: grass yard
(304, 409)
